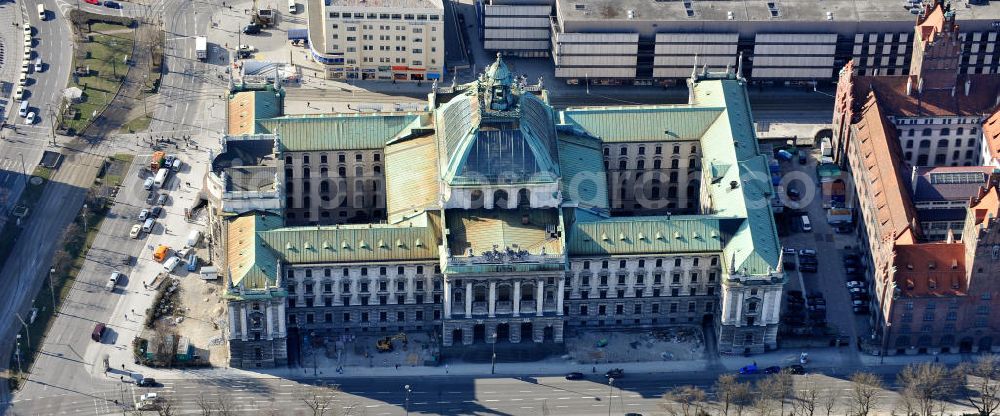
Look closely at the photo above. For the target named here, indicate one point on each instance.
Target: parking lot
(826, 308)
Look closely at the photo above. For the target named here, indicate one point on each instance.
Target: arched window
(523, 197)
(500, 198)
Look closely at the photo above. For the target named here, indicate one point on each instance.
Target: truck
(161, 177)
(193, 238)
(201, 47)
(157, 160)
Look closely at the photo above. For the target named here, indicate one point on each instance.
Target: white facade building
(397, 40)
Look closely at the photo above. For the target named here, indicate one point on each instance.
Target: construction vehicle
(385, 344)
(261, 17)
(157, 161)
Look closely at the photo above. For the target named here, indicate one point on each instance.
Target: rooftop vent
(829, 15)
(631, 14)
(580, 6)
(730, 15)
(689, 7)
(773, 8)
(734, 184)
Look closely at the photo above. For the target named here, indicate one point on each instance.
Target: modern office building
(644, 41)
(491, 219)
(938, 109)
(516, 27)
(397, 40)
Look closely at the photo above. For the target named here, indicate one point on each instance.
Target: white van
(171, 264)
(806, 225)
(38, 64)
(41, 12)
(23, 80)
(292, 8)
(23, 110)
(148, 225)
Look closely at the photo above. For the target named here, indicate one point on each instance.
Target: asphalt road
(529, 395)
(70, 363)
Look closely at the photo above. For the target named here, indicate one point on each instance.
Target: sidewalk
(831, 361)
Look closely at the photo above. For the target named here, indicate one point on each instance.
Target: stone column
(243, 321)
(559, 296)
(234, 330)
(468, 298)
(517, 298)
(540, 284)
(282, 331)
(493, 298)
(268, 309)
(447, 299)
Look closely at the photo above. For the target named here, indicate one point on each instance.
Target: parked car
(143, 214)
(112, 5)
(843, 229)
(615, 373)
(95, 2)
(147, 382)
(161, 200)
(772, 370)
(98, 332)
(112, 281)
(156, 211)
(860, 289)
(808, 260)
(807, 252)
(788, 250)
(574, 376)
(854, 283)
(251, 29)
(749, 369)
(30, 119)
(134, 232)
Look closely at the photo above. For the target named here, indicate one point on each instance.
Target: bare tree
(726, 388)
(925, 388)
(829, 402)
(166, 407)
(772, 391)
(804, 402)
(319, 399)
(225, 405)
(864, 392)
(162, 344)
(979, 384)
(689, 398)
(205, 405)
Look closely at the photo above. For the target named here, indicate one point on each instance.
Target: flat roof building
(627, 41)
(397, 40)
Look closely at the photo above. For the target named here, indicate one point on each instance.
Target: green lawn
(115, 174)
(105, 56)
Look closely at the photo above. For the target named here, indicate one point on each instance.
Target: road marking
(442, 402)
(563, 398)
(597, 405)
(373, 405)
(491, 400)
(562, 406)
(527, 407)
(515, 400)
(421, 403)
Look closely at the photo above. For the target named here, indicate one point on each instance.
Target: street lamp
(407, 408)
(611, 392)
(493, 362)
(52, 289)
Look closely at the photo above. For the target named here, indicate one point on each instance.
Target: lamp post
(493, 361)
(611, 392)
(52, 289)
(407, 408)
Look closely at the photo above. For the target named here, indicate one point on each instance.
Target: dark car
(794, 194)
(808, 260)
(251, 29)
(156, 211)
(749, 369)
(98, 332)
(615, 373)
(795, 294)
(112, 5)
(795, 369)
(844, 229)
(772, 370)
(574, 376)
(147, 382)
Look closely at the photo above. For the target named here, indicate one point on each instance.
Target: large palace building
(493, 218)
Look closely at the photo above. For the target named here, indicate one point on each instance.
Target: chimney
(909, 86)
(920, 85)
(968, 86)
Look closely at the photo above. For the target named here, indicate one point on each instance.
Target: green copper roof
(643, 123)
(336, 132)
(743, 193)
(581, 162)
(353, 243)
(591, 235)
(250, 263)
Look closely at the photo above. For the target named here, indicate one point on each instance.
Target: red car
(93, 2)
